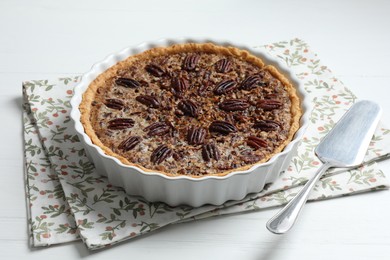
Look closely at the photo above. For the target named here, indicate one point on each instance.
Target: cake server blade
(344, 146)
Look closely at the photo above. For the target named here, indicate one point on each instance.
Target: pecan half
(155, 70)
(188, 107)
(234, 105)
(129, 143)
(114, 103)
(210, 151)
(256, 142)
(160, 154)
(223, 66)
(222, 127)
(225, 86)
(127, 83)
(267, 125)
(190, 61)
(149, 101)
(196, 135)
(252, 82)
(269, 104)
(179, 86)
(120, 123)
(158, 128)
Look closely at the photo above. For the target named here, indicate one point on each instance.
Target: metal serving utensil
(344, 146)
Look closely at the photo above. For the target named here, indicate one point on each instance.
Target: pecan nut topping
(196, 135)
(225, 86)
(234, 105)
(209, 152)
(114, 103)
(266, 125)
(179, 86)
(190, 61)
(155, 70)
(251, 82)
(223, 66)
(188, 107)
(130, 143)
(127, 83)
(194, 110)
(120, 123)
(222, 127)
(160, 154)
(256, 142)
(269, 104)
(148, 100)
(158, 128)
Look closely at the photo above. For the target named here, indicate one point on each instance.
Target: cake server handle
(285, 218)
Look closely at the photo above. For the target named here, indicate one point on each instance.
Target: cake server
(344, 146)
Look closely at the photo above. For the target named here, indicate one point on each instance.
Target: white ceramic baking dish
(183, 189)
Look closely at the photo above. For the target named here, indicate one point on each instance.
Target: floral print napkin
(68, 200)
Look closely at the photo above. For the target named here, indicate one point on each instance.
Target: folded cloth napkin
(68, 200)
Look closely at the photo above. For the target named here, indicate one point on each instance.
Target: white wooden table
(46, 39)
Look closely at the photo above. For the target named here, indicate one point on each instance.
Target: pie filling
(191, 111)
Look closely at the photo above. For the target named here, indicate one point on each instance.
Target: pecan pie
(191, 109)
